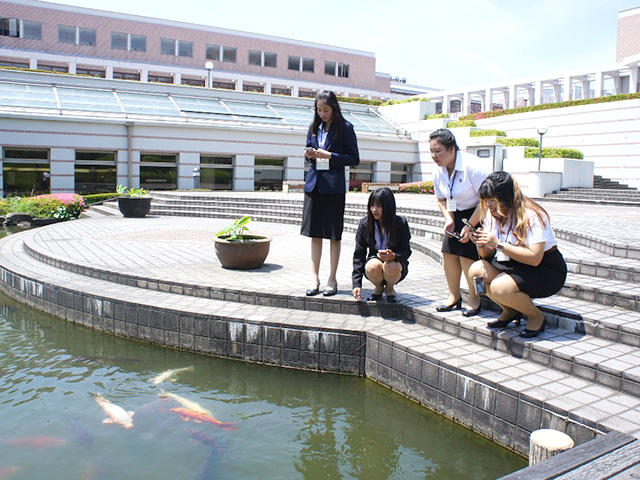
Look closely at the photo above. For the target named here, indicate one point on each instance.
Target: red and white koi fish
(36, 442)
(198, 417)
(166, 375)
(188, 404)
(114, 413)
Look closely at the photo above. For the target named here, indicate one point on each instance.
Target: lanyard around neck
(452, 182)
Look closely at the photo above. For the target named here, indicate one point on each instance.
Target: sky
(433, 43)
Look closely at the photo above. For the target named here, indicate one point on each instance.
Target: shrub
(550, 106)
(518, 142)
(396, 102)
(554, 153)
(416, 187)
(487, 132)
(98, 197)
(364, 101)
(461, 123)
(436, 115)
(55, 205)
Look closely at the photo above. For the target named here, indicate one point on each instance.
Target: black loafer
(504, 323)
(448, 308)
(374, 297)
(330, 291)
(526, 333)
(392, 299)
(470, 312)
(313, 291)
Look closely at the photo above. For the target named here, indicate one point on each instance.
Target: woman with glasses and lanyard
(331, 146)
(456, 185)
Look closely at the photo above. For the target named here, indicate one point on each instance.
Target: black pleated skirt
(323, 215)
(538, 282)
(453, 246)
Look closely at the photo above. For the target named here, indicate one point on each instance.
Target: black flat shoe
(470, 312)
(526, 333)
(448, 308)
(504, 323)
(374, 297)
(330, 291)
(313, 291)
(392, 299)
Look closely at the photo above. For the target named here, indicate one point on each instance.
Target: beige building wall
(628, 42)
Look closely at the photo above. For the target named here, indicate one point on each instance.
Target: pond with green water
(217, 419)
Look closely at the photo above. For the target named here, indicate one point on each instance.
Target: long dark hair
(328, 97)
(383, 197)
(445, 137)
(512, 204)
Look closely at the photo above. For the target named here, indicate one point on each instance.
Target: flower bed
(416, 187)
(61, 206)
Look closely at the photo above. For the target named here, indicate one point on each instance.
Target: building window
(126, 76)
(225, 85)
(9, 27)
(90, 72)
(167, 46)
(95, 172)
(362, 173)
(336, 69)
(159, 78)
(158, 172)
(196, 82)
(138, 43)
(185, 49)
(281, 91)
(306, 94)
(247, 87)
(263, 59)
(119, 41)
(268, 174)
(86, 36)
(5, 63)
(301, 64)
(221, 53)
(216, 173)
(53, 68)
(400, 173)
(25, 171)
(66, 34)
(31, 30)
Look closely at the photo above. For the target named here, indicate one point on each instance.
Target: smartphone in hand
(455, 235)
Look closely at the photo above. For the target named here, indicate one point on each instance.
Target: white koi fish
(164, 376)
(114, 413)
(196, 407)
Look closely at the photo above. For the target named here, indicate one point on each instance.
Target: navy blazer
(366, 248)
(343, 145)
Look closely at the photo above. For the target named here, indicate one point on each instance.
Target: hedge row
(364, 101)
(550, 106)
(99, 197)
(62, 206)
(487, 132)
(416, 187)
(554, 153)
(436, 115)
(461, 123)
(518, 142)
(408, 100)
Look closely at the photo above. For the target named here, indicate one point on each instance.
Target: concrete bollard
(546, 443)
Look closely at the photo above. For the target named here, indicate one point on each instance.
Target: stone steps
(496, 383)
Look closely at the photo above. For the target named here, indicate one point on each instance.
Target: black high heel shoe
(504, 323)
(374, 297)
(526, 333)
(313, 291)
(448, 308)
(470, 312)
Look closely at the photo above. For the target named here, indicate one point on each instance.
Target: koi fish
(115, 413)
(203, 438)
(8, 472)
(164, 376)
(198, 417)
(80, 434)
(188, 404)
(36, 442)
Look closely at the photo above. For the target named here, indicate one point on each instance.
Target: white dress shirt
(468, 174)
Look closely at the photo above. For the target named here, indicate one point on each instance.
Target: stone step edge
(505, 341)
(454, 404)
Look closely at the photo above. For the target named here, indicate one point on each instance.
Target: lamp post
(541, 132)
(209, 67)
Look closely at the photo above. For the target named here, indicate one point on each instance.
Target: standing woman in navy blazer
(331, 146)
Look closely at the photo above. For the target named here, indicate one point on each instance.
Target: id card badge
(502, 257)
(451, 205)
(322, 164)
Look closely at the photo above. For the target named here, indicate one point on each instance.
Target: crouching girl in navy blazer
(382, 247)
(331, 146)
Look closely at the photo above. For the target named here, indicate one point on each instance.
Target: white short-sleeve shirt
(464, 183)
(537, 232)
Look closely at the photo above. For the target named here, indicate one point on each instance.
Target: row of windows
(95, 172)
(13, 27)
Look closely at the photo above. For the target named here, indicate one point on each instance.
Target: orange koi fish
(199, 417)
(36, 442)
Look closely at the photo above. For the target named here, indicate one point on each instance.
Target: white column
(239, 89)
(599, 84)
(446, 107)
(616, 83)
(585, 88)
(122, 167)
(267, 88)
(186, 163)
(488, 100)
(295, 91)
(108, 73)
(568, 89)
(33, 63)
(294, 168)
(382, 172)
(243, 173)
(177, 78)
(72, 68)
(539, 95)
(62, 168)
(144, 75)
(633, 79)
(466, 100)
(513, 97)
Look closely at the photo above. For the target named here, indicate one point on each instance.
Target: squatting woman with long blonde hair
(519, 254)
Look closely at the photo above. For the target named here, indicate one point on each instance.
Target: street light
(209, 67)
(541, 132)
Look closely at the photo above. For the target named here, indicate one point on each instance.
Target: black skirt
(323, 215)
(453, 246)
(538, 282)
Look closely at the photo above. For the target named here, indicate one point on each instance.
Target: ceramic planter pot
(247, 254)
(134, 207)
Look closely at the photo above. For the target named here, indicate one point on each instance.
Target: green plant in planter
(130, 192)
(236, 230)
